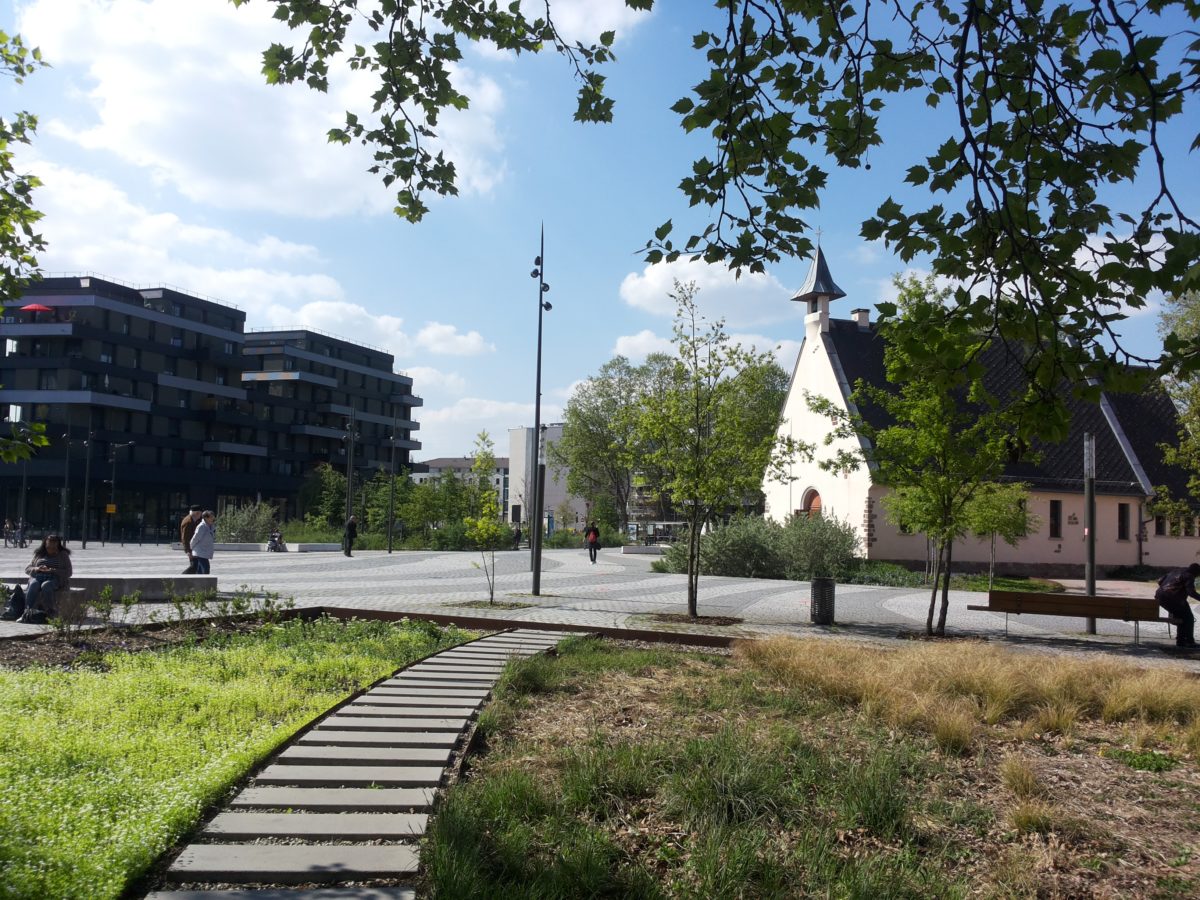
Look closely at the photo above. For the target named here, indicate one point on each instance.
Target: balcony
(234, 448)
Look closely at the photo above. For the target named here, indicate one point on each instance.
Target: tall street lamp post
(535, 534)
(87, 482)
(392, 487)
(350, 438)
(113, 484)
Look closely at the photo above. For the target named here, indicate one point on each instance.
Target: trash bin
(821, 606)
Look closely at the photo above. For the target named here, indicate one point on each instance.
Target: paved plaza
(620, 591)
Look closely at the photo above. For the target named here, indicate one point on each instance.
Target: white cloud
(176, 89)
(785, 352)
(427, 378)
(437, 337)
(586, 20)
(868, 252)
(636, 347)
(753, 299)
(457, 424)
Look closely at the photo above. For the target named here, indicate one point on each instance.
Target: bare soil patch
(86, 647)
(685, 619)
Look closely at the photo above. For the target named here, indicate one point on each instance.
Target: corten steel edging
(475, 623)
(482, 623)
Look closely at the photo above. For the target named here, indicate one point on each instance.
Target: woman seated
(49, 572)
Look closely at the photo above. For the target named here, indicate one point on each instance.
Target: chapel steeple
(818, 289)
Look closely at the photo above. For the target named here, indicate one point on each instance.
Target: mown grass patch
(817, 769)
(101, 770)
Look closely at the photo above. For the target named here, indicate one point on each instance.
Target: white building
(1127, 428)
(558, 501)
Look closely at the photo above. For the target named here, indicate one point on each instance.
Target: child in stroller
(275, 544)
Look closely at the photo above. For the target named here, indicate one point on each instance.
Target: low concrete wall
(652, 550)
(151, 587)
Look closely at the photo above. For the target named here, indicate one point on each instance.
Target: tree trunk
(992, 564)
(937, 570)
(941, 626)
(693, 587)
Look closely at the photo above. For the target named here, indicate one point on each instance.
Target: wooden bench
(1082, 606)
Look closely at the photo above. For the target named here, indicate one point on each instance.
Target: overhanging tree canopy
(1052, 112)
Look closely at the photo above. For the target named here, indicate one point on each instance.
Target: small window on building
(106, 353)
(229, 348)
(812, 504)
(1160, 526)
(48, 380)
(1122, 521)
(1056, 518)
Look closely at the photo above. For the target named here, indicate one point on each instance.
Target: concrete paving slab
(309, 755)
(392, 723)
(292, 863)
(435, 682)
(462, 666)
(247, 826)
(372, 709)
(315, 799)
(378, 698)
(351, 893)
(321, 736)
(433, 673)
(350, 776)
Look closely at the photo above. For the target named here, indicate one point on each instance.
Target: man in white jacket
(203, 542)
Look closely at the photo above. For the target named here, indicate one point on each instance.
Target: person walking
(49, 572)
(1173, 592)
(591, 537)
(204, 542)
(350, 535)
(187, 527)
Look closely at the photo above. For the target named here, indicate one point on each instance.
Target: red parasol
(36, 307)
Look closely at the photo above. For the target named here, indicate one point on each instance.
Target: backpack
(1174, 585)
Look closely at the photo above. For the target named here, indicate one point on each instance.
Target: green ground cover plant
(820, 769)
(104, 767)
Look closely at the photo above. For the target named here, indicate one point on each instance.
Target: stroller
(275, 544)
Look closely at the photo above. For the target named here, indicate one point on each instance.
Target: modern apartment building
(560, 509)
(325, 399)
(154, 399)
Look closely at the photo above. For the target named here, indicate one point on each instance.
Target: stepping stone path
(347, 800)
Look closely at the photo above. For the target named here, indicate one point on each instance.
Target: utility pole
(1089, 520)
(535, 535)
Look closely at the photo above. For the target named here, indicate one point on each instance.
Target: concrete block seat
(86, 589)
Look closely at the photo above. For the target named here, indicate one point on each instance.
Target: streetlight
(535, 535)
(392, 484)
(112, 515)
(350, 438)
(87, 480)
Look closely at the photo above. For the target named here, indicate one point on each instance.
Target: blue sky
(166, 159)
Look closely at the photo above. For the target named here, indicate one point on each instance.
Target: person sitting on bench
(1174, 588)
(49, 572)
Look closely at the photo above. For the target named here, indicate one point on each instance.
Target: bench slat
(1140, 609)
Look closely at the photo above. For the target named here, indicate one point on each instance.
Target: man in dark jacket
(350, 535)
(591, 537)
(187, 528)
(1174, 589)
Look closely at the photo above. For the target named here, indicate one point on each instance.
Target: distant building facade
(460, 467)
(558, 500)
(164, 393)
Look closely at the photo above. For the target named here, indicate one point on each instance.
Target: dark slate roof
(819, 282)
(1146, 420)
